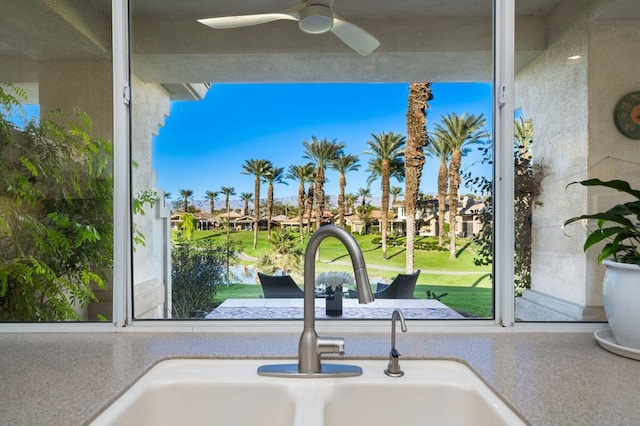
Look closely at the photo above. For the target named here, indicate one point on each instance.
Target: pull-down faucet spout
(311, 345)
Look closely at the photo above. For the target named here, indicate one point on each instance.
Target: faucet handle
(330, 345)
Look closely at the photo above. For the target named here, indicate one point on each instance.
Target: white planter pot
(621, 291)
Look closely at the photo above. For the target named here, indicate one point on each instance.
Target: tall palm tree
(211, 196)
(387, 152)
(246, 198)
(227, 191)
(321, 152)
(459, 132)
(309, 201)
(186, 194)
(419, 95)
(257, 168)
(438, 149)
(273, 175)
(302, 173)
(343, 164)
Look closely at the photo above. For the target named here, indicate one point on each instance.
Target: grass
(332, 250)
(468, 287)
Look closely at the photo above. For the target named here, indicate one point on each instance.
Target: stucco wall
(552, 91)
(614, 70)
(571, 103)
(151, 278)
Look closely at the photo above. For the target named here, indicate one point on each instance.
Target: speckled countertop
(549, 378)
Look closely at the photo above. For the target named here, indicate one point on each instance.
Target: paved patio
(265, 308)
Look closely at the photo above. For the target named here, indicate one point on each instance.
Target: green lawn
(468, 287)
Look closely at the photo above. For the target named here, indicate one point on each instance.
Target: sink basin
(230, 392)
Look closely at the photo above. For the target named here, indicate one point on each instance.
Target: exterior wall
(571, 104)
(152, 262)
(614, 70)
(553, 93)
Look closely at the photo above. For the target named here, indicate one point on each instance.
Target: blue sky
(203, 144)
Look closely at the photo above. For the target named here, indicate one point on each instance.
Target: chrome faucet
(312, 346)
(393, 369)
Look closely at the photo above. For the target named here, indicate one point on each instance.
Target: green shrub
(56, 230)
(197, 269)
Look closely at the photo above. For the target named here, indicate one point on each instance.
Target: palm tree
(246, 197)
(273, 175)
(395, 191)
(227, 191)
(458, 132)
(419, 94)
(211, 196)
(321, 152)
(523, 137)
(186, 194)
(349, 201)
(386, 149)
(302, 173)
(438, 149)
(364, 193)
(257, 168)
(284, 254)
(309, 201)
(343, 164)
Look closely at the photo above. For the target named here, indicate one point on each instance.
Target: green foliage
(527, 187)
(283, 255)
(423, 244)
(623, 237)
(144, 198)
(197, 269)
(188, 225)
(55, 213)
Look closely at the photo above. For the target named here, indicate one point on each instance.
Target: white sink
(230, 392)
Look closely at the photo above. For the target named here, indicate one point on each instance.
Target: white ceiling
(432, 40)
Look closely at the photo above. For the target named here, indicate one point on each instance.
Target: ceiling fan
(313, 16)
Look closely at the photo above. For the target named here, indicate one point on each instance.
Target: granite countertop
(549, 378)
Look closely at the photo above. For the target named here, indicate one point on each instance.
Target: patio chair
(402, 287)
(279, 286)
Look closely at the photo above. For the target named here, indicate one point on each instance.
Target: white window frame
(504, 305)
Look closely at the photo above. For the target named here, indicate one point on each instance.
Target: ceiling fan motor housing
(316, 19)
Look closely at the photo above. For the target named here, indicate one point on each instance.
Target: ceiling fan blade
(354, 36)
(224, 22)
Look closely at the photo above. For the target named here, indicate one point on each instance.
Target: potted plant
(619, 229)
(333, 283)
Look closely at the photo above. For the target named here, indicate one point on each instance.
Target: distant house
(292, 222)
(426, 218)
(427, 221)
(205, 221)
(357, 225)
(467, 220)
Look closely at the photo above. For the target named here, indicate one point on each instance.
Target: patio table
(272, 308)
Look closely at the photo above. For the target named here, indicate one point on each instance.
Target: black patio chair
(279, 286)
(402, 287)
